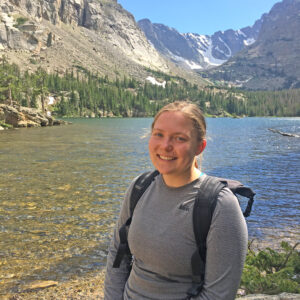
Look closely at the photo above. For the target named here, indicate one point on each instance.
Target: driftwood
(284, 133)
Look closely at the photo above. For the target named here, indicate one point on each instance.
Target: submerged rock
(284, 133)
(40, 284)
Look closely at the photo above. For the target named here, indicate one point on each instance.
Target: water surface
(61, 188)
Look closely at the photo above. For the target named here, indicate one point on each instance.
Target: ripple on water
(61, 188)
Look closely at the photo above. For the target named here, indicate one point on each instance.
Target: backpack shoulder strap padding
(203, 210)
(204, 207)
(140, 186)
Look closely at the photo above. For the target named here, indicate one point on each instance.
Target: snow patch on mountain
(209, 58)
(226, 46)
(155, 82)
(193, 65)
(249, 42)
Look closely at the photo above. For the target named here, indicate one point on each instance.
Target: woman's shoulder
(228, 204)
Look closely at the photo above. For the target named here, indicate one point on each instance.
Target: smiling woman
(174, 146)
(161, 237)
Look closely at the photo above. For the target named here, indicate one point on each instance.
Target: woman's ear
(201, 146)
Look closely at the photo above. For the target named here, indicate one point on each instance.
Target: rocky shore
(88, 287)
(283, 296)
(22, 117)
(91, 288)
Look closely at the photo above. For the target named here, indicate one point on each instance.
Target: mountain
(195, 51)
(98, 35)
(273, 61)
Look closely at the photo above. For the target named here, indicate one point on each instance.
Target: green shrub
(20, 21)
(33, 61)
(272, 272)
(4, 125)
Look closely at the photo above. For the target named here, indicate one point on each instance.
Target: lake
(61, 188)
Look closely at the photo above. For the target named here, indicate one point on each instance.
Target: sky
(199, 16)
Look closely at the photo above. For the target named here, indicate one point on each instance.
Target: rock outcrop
(19, 116)
(57, 34)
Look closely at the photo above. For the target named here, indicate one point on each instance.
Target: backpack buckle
(195, 289)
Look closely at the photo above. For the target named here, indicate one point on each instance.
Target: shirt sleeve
(226, 249)
(116, 278)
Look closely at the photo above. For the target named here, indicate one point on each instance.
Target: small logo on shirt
(184, 207)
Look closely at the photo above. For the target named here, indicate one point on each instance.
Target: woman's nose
(167, 144)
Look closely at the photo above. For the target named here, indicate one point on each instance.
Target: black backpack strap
(140, 186)
(204, 207)
(123, 248)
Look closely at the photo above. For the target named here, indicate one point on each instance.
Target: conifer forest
(80, 93)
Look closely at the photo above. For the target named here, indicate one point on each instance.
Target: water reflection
(61, 188)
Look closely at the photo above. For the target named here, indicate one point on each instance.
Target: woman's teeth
(166, 157)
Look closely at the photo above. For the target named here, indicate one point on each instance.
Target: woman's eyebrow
(173, 133)
(155, 128)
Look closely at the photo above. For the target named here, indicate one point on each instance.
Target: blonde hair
(191, 111)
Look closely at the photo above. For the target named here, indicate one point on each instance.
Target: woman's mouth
(168, 158)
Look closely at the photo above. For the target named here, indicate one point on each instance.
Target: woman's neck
(173, 180)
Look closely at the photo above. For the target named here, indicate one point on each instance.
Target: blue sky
(200, 16)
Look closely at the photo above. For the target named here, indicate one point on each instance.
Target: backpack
(205, 203)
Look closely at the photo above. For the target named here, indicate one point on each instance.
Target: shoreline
(90, 286)
(86, 287)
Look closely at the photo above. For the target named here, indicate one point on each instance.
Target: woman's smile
(168, 158)
(173, 147)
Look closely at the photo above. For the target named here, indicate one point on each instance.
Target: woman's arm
(226, 250)
(115, 278)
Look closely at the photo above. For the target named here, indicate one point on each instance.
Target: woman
(161, 235)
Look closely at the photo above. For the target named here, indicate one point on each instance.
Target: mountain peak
(196, 51)
(273, 61)
(96, 34)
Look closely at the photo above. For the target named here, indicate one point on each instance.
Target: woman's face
(173, 146)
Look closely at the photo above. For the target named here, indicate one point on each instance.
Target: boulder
(59, 122)
(19, 116)
(21, 124)
(50, 120)
(33, 115)
(2, 114)
(283, 296)
(11, 115)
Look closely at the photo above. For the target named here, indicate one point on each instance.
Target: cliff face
(273, 61)
(98, 34)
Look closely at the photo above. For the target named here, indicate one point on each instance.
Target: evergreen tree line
(82, 93)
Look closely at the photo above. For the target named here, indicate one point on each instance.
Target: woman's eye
(180, 139)
(158, 134)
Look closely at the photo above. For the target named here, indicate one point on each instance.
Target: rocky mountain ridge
(265, 56)
(57, 34)
(196, 51)
(273, 61)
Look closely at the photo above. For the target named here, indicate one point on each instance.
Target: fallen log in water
(284, 133)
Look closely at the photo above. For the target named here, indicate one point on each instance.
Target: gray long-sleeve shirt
(162, 242)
